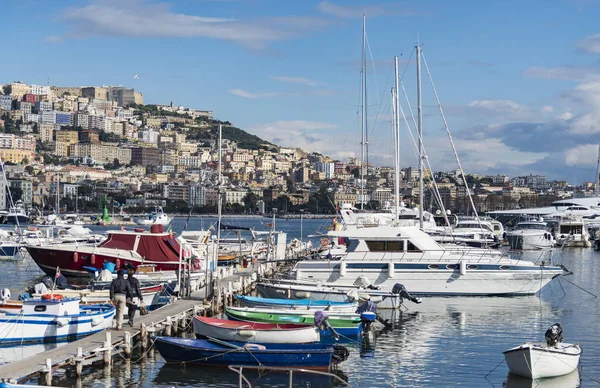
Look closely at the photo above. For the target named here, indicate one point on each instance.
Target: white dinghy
(538, 360)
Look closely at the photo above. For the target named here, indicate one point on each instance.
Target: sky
(518, 81)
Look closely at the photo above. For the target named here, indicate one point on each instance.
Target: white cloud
(247, 94)
(345, 12)
(566, 116)
(295, 80)
(53, 39)
(547, 109)
(590, 44)
(585, 155)
(144, 19)
(566, 72)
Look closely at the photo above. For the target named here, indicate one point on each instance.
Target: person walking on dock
(120, 293)
(137, 299)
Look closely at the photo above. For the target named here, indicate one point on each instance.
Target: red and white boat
(139, 247)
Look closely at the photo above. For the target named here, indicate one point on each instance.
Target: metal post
(175, 328)
(79, 362)
(363, 97)
(107, 348)
(144, 337)
(48, 372)
(291, 377)
(127, 344)
(420, 134)
(168, 326)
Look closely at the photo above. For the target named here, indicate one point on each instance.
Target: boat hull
(529, 241)
(312, 356)
(16, 329)
(432, 278)
(254, 332)
(48, 258)
(298, 304)
(539, 361)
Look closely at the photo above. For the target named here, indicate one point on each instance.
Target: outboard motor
(340, 353)
(399, 289)
(363, 282)
(322, 322)
(368, 314)
(5, 295)
(554, 334)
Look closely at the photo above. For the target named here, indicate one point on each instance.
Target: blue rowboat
(301, 304)
(221, 353)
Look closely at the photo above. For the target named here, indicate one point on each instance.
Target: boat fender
(247, 333)
(97, 320)
(391, 270)
(463, 268)
(52, 297)
(254, 347)
(302, 295)
(60, 322)
(75, 257)
(343, 269)
(93, 259)
(118, 264)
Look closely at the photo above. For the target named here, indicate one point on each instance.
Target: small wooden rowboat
(228, 330)
(296, 304)
(220, 353)
(345, 324)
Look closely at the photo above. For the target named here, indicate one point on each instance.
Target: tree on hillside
(251, 202)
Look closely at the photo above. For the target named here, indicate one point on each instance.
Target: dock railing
(239, 369)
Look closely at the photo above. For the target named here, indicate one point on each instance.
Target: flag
(16, 229)
(122, 228)
(211, 228)
(169, 229)
(57, 273)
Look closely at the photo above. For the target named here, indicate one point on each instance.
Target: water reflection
(572, 380)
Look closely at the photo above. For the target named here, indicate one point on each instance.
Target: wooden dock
(93, 348)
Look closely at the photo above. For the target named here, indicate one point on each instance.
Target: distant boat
(16, 215)
(534, 234)
(299, 304)
(156, 217)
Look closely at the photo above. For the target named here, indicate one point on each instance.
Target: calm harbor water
(442, 342)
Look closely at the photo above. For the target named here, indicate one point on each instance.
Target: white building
(40, 90)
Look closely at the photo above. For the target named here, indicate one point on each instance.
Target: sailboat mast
(220, 194)
(598, 174)
(363, 144)
(420, 135)
(57, 194)
(396, 125)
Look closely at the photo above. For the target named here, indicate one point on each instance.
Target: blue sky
(519, 81)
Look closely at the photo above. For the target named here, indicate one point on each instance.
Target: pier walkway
(93, 347)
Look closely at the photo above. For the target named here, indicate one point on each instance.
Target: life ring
(52, 297)
(324, 242)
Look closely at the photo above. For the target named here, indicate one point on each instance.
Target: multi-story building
(15, 156)
(101, 153)
(95, 92)
(64, 118)
(26, 188)
(39, 90)
(70, 137)
(6, 102)
(145, 156)
(19, 89)
(89, 137)
(25, 107)
(44, 105)
(123, 96)
(197, 195)
(31, 118)
(176, 192)
(61, 148)
(46, 132)
(47, 117)
(82, 120)
(149, 136)
(95, 122)
(327, 168)
(189, 161)
(31, 98)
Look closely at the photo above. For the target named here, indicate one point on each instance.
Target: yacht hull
(433, 278)
(529, 241)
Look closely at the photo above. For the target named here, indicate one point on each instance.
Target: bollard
(167, 326)
(79, 362)
(48, 370)
(144, 337)
(175, 328)
(127, 344)
(107, 348)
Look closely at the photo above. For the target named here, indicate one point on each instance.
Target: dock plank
(64, 354)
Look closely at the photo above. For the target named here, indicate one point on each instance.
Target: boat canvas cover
(156, 247)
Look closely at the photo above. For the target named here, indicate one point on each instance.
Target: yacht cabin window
(392, 246)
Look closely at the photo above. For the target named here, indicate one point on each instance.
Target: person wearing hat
(120, 292)
(137, 294)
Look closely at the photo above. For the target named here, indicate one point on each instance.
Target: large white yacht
(156, 217)
(388, 255)
(533, 234)
(474, 233)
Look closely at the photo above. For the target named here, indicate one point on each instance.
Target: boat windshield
(530, 226)
(472, 225)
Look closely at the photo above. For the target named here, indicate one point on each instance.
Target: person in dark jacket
(120, 292)
(137, 294)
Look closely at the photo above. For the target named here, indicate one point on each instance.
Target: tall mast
(363, 143)
(420, 135)
(396, 125)
(220, 183)
(57, 194)
(598, 174)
